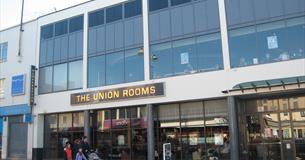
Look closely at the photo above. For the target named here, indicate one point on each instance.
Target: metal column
(150, 133)
(87, 125)
(233, 128)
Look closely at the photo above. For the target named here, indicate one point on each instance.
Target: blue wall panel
(201, 16)
(100, 44)
(165, 31)
(110, 36)
(64, 48)
(79, 44)
(119, 35)
(138, 30)
(188, 19)
(92, 41)
(72, 45)
(176, 22)
(128, 32)
(154, 30)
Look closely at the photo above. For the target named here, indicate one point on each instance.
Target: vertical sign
(18, 85)
(33, 86)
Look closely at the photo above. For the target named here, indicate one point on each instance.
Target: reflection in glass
(50, 136)
(161, 60)
(60, 77)
(209, 52)
(184, 56)
(45, 79)
(298, 120)
(115, 68)
(75, 76)
(96, 71)
(134, 65)
(265, 43)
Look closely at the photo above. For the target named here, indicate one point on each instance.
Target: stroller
(93, 155)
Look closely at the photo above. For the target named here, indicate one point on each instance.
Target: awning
(269, 84)
(15, 110)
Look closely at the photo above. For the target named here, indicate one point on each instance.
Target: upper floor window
(61, 28)
(266, 43)
(96, 18)
(133, 8)
(157, 4)
(2, 88)
(3, 52)
(114, 13)
(47, 31)
(76, 24)
(198, 54)
(177, 2)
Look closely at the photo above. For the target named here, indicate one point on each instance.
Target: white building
(200, 75)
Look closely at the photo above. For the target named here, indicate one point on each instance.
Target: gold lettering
(145, 90)
(101, 95)
(152, 90)
(78, 98)
(95, 96)
(131, 92)
(138, 91)
(83, 98)
(109, 95)
(125, 93)
(116, 94)
(87, 97)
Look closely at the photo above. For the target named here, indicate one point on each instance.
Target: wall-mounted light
(154, 57)
(141, 51)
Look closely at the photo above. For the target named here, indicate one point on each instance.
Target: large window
(117, 67)
(75, 76)
(96, 18)
(265, 43)
(133, 8)
(60, 77)
(157, 4)
(195, 130)
(61, 54)
(186, 56)
(114, 13)
(3, 52)
(45, 79)
(2, 85)
(177, 2)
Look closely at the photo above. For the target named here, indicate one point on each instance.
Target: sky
(10, 10)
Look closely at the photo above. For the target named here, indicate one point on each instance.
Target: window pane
(96, 71)
(76, 24)
(134, 65)
(96, 18)
(2, 88)
(133, 8)
(61, 28)
(47, 31)
(242, 46)
(3, 52)
(209, 52)
(161, 60)
(65, 121)
(45, 79)
(157, 4)
(185, 58)
(114, 13)
(270, 42)
(177, 2)
(78, 119)
(115, 68)
(75, 75)
(60, 77)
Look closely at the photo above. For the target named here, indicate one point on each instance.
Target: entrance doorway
(273, 129)
(17, 143)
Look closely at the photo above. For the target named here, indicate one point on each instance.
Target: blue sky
(10, 10)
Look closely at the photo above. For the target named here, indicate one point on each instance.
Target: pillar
(87, 125)
(233, 128)
(150, 133)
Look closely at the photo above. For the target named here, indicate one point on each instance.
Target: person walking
(80, 155)
(85, 145)
(68, 151)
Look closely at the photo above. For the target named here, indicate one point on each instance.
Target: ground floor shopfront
(255, 128)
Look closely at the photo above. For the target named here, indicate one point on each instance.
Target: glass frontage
(122, 133)
(266, 43)
(59, 129)
(115, 68)
(186, 56)
(195, 130)
(273, 128)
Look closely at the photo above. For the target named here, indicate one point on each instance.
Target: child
(68, 152)
(80, 155)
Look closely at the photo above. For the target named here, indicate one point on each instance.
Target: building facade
(198, 78)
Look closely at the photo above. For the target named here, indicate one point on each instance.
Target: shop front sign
(149, 90)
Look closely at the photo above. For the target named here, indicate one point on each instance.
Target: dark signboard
(149, 90)
(33, 86)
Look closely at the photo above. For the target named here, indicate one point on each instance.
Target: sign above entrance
(149, 90)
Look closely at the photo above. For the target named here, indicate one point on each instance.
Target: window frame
(3, 52)
(2, 88)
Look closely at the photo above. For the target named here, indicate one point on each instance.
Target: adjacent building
(195, 78)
